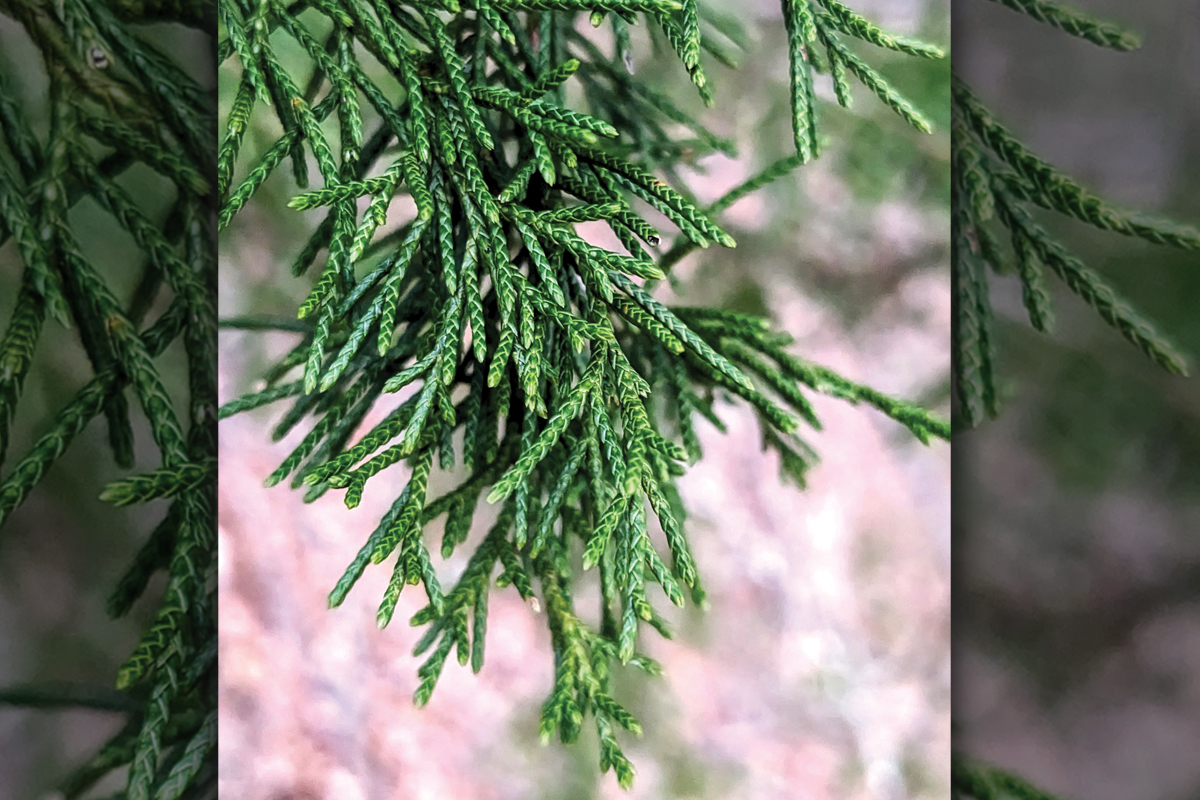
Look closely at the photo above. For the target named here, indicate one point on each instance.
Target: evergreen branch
(1092, 289)
(147, 112)
(559, 424)
(168, 482)
(1055, 191)
(68, 696)
(874, 81)
(996, 176)
(1077, 23)
(853, 24)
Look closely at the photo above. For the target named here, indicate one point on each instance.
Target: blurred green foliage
(1051, 589)
(76, 91)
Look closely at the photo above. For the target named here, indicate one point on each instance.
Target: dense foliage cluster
(997, 180)
(117, 102)
(510, 349)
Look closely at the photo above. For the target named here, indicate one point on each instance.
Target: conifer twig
(500, 320)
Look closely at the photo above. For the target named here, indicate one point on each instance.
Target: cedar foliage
(116, 101)
(997, 183)
(575, 390)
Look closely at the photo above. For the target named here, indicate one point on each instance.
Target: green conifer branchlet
(996, 180)
(498, 318)
(116, 101)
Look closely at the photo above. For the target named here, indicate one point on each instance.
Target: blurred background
(821, 670)
(63, 551)
(1077, 599)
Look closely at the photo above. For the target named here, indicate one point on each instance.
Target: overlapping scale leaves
(532, 364)
(117, 102)
(997, 181)
(814, 30)
(998, 185)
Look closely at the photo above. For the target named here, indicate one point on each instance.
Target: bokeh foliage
(1097, 425)
(997, 180)
(122, 131)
